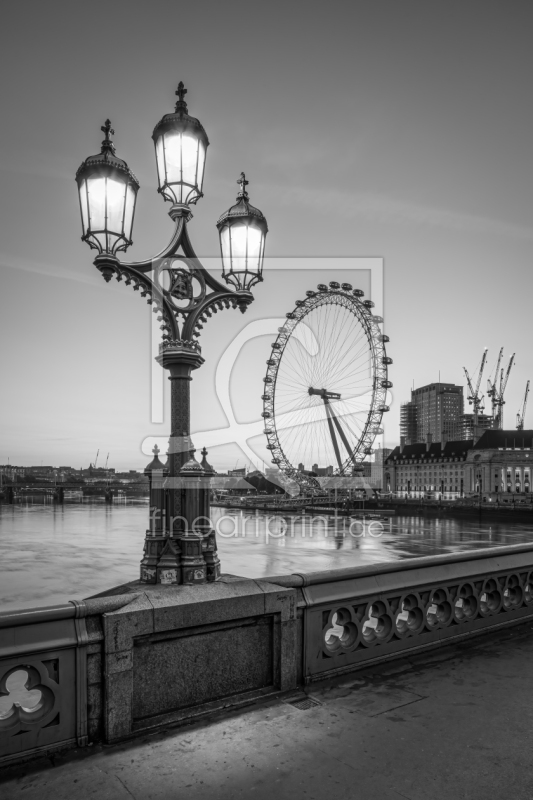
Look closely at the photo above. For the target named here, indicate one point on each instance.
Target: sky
(397, 131)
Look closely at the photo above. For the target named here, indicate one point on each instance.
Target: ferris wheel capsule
(358, 293)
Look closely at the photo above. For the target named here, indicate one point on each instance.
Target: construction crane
(499, 391)
(475, 398)
(491, 385)
(521, 416)
(96, 459)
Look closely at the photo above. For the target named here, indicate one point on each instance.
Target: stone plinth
(175, 652)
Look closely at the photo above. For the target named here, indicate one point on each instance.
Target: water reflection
(51, 553)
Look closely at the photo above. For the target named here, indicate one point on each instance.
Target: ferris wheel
(326, 384)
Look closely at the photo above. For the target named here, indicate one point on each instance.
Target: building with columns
(499, 464)
(496, 467)
(434, 470)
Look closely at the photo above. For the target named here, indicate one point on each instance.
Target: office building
(436, 409)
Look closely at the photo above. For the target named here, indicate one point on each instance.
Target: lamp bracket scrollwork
(181, 290)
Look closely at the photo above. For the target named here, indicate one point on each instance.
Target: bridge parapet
(114, 666)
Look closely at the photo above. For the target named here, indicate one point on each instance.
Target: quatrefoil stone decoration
(341, 634)
(19, 696)
(26, 699)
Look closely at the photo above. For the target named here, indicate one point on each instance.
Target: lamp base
(180, 559)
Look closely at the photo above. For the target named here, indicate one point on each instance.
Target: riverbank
(484, 511)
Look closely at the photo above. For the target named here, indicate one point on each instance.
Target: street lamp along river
(183, 295)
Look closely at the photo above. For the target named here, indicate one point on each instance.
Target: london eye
(326, 384)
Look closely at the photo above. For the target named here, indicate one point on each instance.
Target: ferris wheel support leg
(343, 436)
(332, 433)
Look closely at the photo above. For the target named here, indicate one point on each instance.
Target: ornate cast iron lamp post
(180, 546)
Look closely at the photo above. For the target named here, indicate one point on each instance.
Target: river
(52, 553)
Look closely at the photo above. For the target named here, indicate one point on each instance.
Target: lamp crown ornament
(243, 183)
(107, 144)
(181, 91)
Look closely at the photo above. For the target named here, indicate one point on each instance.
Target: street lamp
(180, 546)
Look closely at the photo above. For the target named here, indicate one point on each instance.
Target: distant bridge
(12, 492)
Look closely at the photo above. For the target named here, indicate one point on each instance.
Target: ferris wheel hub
(324, 394)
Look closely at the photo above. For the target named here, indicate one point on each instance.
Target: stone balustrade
(112, 667)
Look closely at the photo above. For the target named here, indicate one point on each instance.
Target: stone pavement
(455, 723)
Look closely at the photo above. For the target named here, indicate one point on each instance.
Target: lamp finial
(181, 91)
(107, 144)
(243, 183)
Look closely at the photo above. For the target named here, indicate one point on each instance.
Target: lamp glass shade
(242, 230)
(180, 149)
(242, 245)
(180, 165)
(107, 191)
(107, 203)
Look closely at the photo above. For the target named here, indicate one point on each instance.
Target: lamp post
(180, 546)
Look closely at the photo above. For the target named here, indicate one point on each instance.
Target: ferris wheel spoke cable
(332, 349)
(340, 362)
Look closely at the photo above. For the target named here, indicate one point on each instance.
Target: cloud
(49, 270)
(383, 209)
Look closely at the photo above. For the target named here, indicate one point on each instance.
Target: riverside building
(497, 467)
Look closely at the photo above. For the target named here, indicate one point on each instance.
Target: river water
(51, 553)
